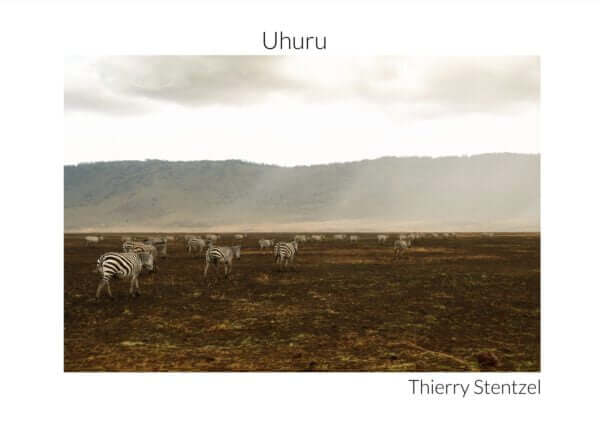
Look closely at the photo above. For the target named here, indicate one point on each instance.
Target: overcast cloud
(391, 102)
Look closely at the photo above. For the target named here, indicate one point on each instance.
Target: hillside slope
(491, 191)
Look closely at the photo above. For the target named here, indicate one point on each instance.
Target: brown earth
(444, 306)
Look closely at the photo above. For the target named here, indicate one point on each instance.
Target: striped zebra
(195, 245)
(262, 243)
(123, 266)
(284, 252)
(382, 238)
(139, 247)
(400, 246)
(159, 243)
(217, 255)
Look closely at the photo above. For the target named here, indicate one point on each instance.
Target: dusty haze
(497, 192)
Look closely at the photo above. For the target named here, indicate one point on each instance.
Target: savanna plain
(470, 303)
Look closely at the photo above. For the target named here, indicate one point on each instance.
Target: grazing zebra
(123, 266)
(300, 238)
(92, 240)
(159, 243)
(400, 246)
(216, 255)
(195, 245)
(353, 237)
(262, 243)
(138, 247)
(382, 238)
(284, 252)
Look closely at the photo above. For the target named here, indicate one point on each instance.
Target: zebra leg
(108, 289)
(206, 269)
(137, 286)
(99, 289)
(131, 286)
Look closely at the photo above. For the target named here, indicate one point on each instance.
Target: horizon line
(305, 165)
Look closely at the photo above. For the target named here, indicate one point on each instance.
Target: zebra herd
(139, 256)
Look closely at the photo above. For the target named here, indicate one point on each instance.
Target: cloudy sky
(291, 110)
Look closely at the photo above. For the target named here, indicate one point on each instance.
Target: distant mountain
(483, 192)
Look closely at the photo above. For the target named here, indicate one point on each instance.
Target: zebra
(216, 255)
(400, 246)
(239, 236)
(262, 243)
(284, 252)
(300, 238)
(353, 237)
(382, 238)
(317, 237)
(195, 244)
(339, 237)
(159, 243)
(90, 239)
(123, 266)
(138, 247)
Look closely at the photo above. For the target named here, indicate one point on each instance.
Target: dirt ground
(465, 304)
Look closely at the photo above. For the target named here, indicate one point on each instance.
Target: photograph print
(301, 213)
